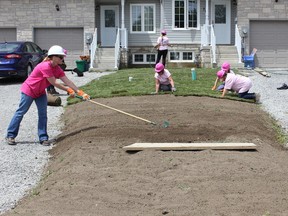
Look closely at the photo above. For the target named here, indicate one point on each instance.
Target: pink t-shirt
(164, 78)
(164, 42)
(35, 85)
(237, 83)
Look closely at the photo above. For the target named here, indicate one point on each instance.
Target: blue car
(17, 59)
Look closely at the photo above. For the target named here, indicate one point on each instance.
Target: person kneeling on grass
(240, 84)
(163, 79)
(34, 89)
(225, 67)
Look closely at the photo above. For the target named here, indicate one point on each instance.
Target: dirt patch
(90, 173)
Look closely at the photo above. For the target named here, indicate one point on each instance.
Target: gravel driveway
(22, 165)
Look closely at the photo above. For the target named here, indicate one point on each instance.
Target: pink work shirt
(35, 85)
(164, 42)
(164, 78)
(237, 83)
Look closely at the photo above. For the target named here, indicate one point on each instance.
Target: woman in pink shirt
(34, 89)
(162, 46)
(239, 84)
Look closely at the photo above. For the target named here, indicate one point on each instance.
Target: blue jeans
(25, 103)
(165, 87)
(247, 95)
(221, 87)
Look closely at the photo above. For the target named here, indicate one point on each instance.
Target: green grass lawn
(143, 83)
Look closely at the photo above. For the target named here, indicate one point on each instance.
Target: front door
(221, 20)
(109, 24)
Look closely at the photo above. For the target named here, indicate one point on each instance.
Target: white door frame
(222, 30)
(108, 34)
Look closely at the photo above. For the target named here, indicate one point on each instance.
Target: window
(144, 58)
(142, 18)
(150, 58)
(187, 56)
(138, 58)
(182, 56)
(174, 56)
(186, 14)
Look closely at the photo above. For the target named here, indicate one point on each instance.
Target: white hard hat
(56, 50)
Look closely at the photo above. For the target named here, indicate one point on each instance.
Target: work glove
(153, 93)
(70, 92)
(214, 87)
(83, 95)
(173, 89)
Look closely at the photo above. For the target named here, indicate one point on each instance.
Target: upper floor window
(142, 18)
(186, 14)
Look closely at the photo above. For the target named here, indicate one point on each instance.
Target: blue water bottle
(193, 73)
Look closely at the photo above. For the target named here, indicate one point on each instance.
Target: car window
(8, 47)
(37, 48)
(29, 48)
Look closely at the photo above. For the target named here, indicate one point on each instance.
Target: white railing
(121, 42)
(93, 49)
(238, 43)
(117, 50)
(206, 31)
(213, 45)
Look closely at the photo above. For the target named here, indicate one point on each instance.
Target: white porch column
(161, 15)
(122, 14)
(207, 23)
(207, 13)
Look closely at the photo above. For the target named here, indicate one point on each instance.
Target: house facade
(197, 29)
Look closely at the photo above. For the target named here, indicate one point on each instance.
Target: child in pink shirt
(163, 79)
(239, 84)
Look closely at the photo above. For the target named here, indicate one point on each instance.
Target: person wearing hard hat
(34, 89)
(163, 79)
(225, 67)
(162, 47)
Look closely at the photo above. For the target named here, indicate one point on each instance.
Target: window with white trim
(142, 18)
(181, 56)
(144, 58)
(186, 14)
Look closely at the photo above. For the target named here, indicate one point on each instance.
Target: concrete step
(229, 54)
(105, 59)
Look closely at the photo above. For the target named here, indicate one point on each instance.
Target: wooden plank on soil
(190, 146)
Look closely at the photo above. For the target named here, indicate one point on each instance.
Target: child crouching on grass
(163, 79)
(225, 67)
(240, 84)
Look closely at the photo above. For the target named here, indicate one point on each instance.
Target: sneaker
(10, 141)
(257, 98)
(45, 142)
(284, 86)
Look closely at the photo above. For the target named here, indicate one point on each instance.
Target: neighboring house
(216, 30)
